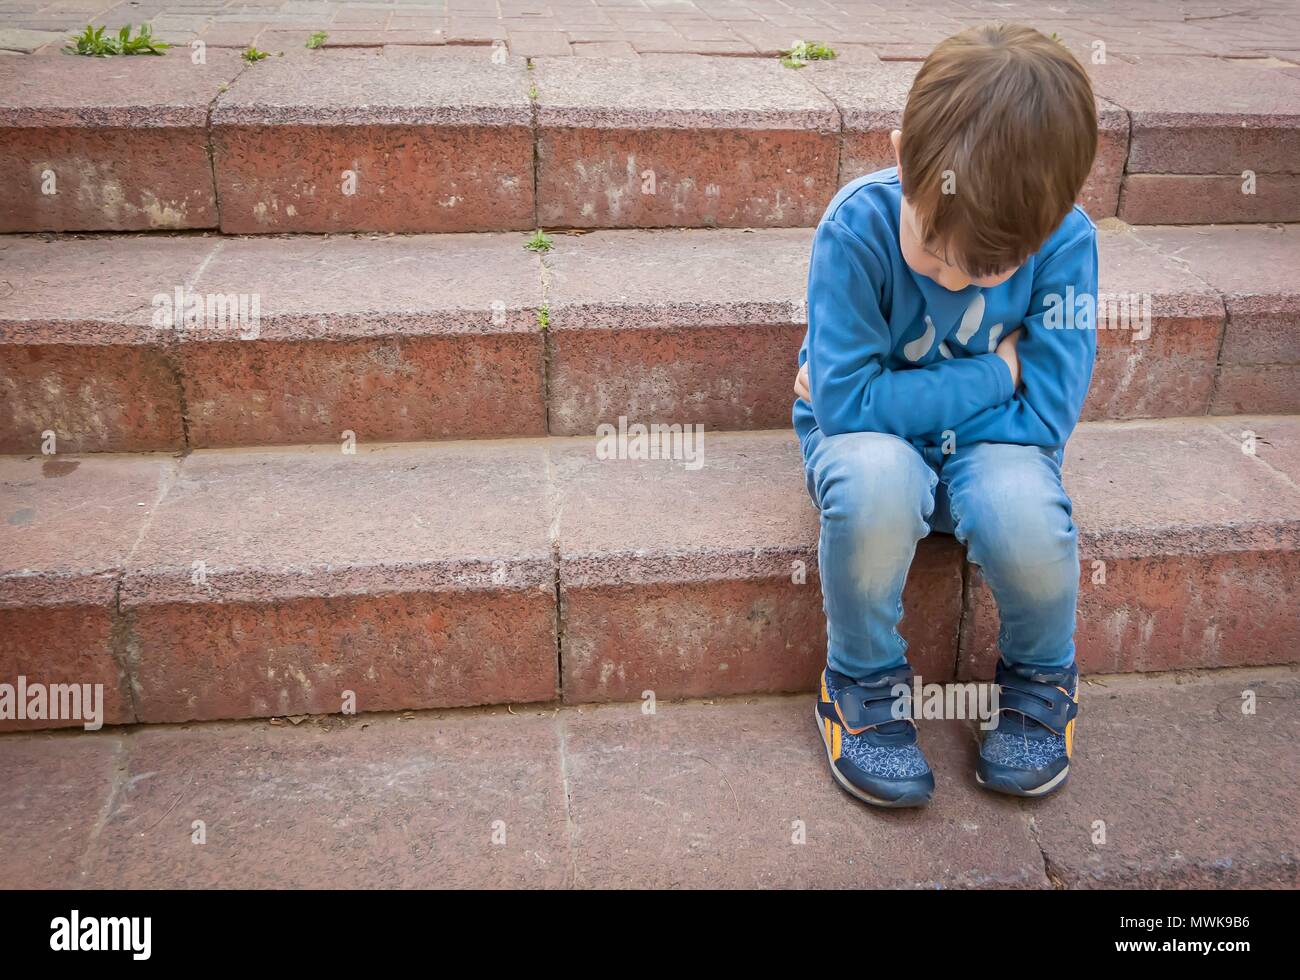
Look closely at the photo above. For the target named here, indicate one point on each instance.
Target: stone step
(109, 144)
(460, 139)
(1168, 790)
(457, 336)
(1182, 140)
(268, 582)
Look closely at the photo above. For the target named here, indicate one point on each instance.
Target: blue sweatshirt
(889, 350)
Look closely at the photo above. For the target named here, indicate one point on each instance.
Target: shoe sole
(852, 790)
(1052, 784)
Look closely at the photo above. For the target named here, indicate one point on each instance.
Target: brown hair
(999, 134)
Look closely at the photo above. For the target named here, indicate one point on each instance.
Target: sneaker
(1028, 753)
(873, 754)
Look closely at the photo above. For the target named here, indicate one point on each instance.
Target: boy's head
(998, 136)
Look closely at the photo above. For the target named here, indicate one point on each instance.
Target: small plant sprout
(544, 316)
(540, 242)
(142, 43)
(802, 52)
(94, 43)
(316, 40)
(252, 55)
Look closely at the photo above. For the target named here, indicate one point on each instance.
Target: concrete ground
(1174, 785)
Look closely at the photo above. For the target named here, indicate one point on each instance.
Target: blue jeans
(879, 495)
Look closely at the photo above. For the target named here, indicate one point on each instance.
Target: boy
(945, 365)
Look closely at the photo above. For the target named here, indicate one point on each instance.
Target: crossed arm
(849, 343)
(1006, 350)
(1029, 391)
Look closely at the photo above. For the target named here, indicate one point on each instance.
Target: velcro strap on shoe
(1043, 703)
(862, 707)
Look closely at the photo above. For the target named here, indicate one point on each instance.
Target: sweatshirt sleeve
(849, 344)
(1056, 355)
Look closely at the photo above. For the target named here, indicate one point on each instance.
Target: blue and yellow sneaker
(873, 754)
(1028, 753)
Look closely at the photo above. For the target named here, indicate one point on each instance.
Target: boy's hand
(801, 384)
(1007, 351)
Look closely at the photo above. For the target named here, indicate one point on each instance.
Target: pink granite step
(116, 144)
(1211, 141)
(699, 327)
(249, 583)
(79, 358)
(363, 141)
(682, 142)
(391, 338)
(1254, 269)
(230, 585)
(456, 138)
(448, 336)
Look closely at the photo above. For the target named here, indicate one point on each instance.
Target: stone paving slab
(736, 795)
(1176, 787)
(1253, 269)
(70, 528)
(1161, 330)
(55, 792)
(433, 585)
(1211, 140)
(108, 144)
(71, 524)
(346, 334)
(658, 142)
(1172, 786)
(389, 143)
(352, 337)
(1204, 116)
(26, 41)
(78, 351)
(380, 803)
(139, 92)
(675, 325)
(889, 28)
(76, 290)
(1275, 443)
